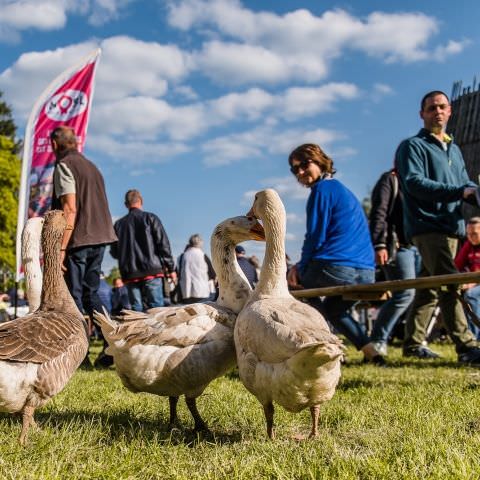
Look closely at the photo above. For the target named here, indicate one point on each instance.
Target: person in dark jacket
(389, 242)
(247, 266)
(143, 253)
(434, 181)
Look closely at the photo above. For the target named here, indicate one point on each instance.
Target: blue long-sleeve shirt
(432, 179)
(337, 229)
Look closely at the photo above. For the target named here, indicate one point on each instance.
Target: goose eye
(250, 219)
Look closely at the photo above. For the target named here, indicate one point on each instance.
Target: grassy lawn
(413, 420)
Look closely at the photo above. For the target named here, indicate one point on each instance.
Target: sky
(198, 103)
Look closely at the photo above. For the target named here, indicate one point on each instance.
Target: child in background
(468, 260)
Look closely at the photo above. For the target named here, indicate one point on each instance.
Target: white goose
(40, 352)
(285, 350)
(31, 239)
(180, 350)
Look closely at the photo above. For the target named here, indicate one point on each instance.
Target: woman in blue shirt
(337, 249)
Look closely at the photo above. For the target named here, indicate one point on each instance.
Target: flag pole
(28, 147)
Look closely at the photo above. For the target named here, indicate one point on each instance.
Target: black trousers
(84, 265)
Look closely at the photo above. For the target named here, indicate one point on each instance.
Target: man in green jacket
(434, 182)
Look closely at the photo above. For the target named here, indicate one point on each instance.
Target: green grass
(413, 420)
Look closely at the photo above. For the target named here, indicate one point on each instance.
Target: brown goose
(180, 350)
(40, 352)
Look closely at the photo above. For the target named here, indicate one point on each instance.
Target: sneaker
(420, 351)
(381, 348)
(377, 360)
(103, 360)
(470, 357)
(86, 364)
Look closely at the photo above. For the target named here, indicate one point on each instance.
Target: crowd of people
(416, 220)
(414, 229)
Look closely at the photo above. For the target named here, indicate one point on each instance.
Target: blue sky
(198, 103)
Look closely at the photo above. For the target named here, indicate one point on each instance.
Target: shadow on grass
(123, 426)
(409, 362)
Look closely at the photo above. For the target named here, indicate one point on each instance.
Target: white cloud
(134, 151)
(379, 91)
(451, 48)
(47, 15)
(40, 14)
(260, 142)
(237, 64)
(270, 48)
(127, 67)
(103, 11)
(250, 104)
(303, 102)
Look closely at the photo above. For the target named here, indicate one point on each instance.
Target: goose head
(239, 229)
(234, 289)
(267, 205)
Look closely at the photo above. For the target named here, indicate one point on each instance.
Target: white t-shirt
(63, 180)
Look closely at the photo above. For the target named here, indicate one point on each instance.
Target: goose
(31, 239)
(285, 350)
(40, 352)
(179, 350)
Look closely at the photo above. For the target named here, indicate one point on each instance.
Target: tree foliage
(7, 125)
(10, 166)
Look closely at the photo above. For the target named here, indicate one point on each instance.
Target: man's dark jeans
(336, 310)
(83, 276)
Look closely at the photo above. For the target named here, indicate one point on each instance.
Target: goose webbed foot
(269, 410)
(200, 425)
(314, 412)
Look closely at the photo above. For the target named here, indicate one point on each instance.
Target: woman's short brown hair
(311, 151)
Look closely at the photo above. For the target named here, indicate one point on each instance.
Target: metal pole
(16, 299)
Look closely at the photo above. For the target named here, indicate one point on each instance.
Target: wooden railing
(380, 290)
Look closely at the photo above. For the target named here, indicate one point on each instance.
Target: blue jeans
(472, 296)
(407, 265)
(148, 292)
(336, 310)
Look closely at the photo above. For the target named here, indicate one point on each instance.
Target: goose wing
(40, 337)
(176, 326)
(282, 327)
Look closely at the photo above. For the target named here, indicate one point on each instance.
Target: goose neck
(234, 289)
(274, 269)
(55, 294)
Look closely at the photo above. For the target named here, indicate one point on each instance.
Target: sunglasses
(304, 164)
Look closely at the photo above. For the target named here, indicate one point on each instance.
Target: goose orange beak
(257, 231)
(251, 213)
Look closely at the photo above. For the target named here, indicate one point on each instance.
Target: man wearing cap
(248, 269)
